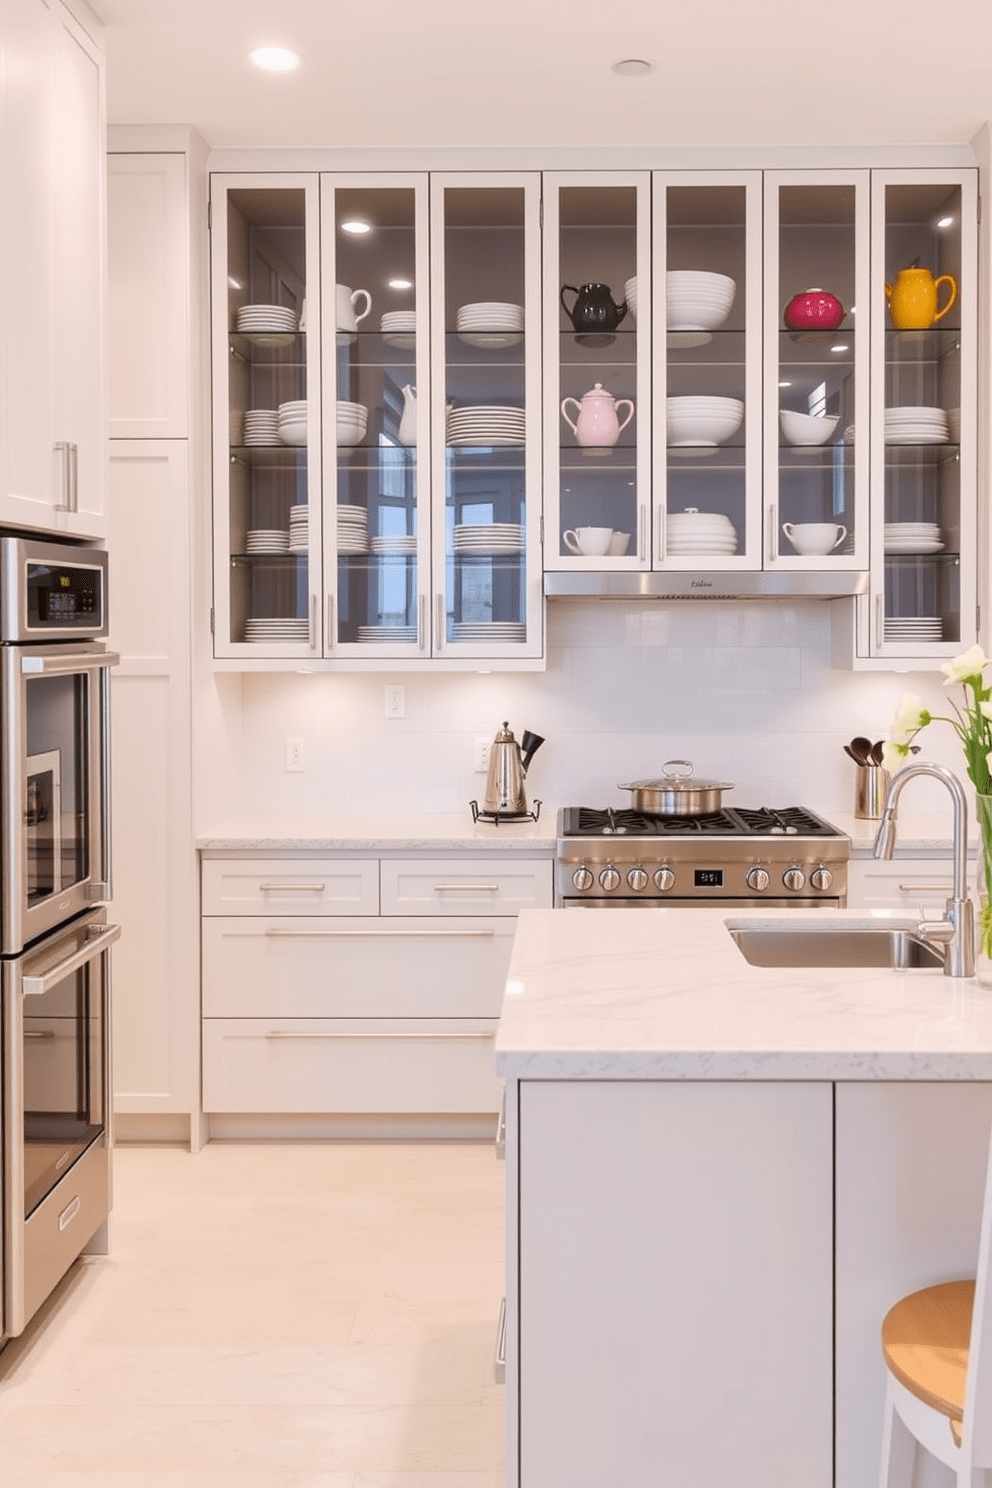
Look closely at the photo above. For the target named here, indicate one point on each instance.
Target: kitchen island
(719, 1176)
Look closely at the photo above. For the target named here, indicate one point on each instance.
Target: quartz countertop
(387, 832)
(666, 994)
(918, 832)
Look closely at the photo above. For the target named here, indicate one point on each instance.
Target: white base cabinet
(357, 986)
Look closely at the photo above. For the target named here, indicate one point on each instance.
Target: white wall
(745, 691)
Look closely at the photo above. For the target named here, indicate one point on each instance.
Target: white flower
(985, 709)
(910, 716)
(894, 755)
(971, 664)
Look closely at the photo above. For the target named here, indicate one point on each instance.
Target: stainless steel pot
(677, 793)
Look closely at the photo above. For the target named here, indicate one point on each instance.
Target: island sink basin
(825, 946)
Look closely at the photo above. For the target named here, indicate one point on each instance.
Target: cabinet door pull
(61, 448)
(501, 1130)
(499, 1360)
(285, 1035)
(772, 532)
(298, 888)
(439, 623)
(303, 934)
(422, 623)
(926, 888)
(468, 887)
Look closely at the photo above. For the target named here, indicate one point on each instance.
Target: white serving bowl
(697, 300)
(807, 428)
(349, 434)
(293, 433)
(710, 425)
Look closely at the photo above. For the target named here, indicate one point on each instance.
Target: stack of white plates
(293, 422)
(277, 629)
(497, 537)
(261, 426)
(954, 424)
(485, 424)
(912, 537)
(693, 531)
(353, 529)
(630, 295)
(919, 628)
(395, 543)
(399, 328)
(385, 632)
(299, 529)
(915, 426)
(266, 318)
(697, 300)
(267, 540)
(490, 323)
(487, 631)
(352, 421)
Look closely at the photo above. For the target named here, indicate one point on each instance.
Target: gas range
(732, 857)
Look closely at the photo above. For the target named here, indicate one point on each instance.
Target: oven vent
(751, 584)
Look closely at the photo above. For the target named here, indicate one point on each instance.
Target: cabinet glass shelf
(281, 456)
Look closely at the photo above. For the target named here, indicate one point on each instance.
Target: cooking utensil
(876, 751)
(861, 748)
(677, 793)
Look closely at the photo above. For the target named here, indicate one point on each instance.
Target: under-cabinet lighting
(399, 283)
(945, 221)
(274, 58)
(357, 226)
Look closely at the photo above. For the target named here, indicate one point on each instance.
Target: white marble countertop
(666, 994)
(918, 832)
(386, 833)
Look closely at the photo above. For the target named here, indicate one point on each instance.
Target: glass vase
(983, 884)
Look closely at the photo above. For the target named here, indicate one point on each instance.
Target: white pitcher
(597, 425)
(408, 419)
(346, 306)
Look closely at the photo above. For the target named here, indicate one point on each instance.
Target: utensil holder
(871, 784)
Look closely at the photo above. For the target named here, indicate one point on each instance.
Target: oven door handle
(60, 666)
(104, 936)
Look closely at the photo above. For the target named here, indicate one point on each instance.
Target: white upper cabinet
(377, 462)
(52, 254)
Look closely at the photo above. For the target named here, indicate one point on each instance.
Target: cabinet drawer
(906, 885)
(286, 886)
(465, 886)
(349, 1065)
(354, 968)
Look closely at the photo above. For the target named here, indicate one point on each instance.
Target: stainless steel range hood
(705, 584)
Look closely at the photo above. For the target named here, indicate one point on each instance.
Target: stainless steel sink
(825, 945)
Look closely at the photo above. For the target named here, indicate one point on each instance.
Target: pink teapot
(597, 424)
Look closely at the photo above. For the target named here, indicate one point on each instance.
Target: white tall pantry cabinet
(153, 203)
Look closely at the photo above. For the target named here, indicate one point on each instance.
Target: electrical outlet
(395, 700)
(295, 755)
(482, 748)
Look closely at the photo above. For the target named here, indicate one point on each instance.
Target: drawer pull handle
(925, 888)
(282, 1036)
(69, 1213)
(299, 888)
(499, 1361)
(467, 888)
(376, 934)
(501, 1130)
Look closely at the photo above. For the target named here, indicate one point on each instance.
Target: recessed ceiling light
(945, 221)
(840, 347)
(274, 58)
(785, 384)
(632, 67)
(400, 283)
(356, 225)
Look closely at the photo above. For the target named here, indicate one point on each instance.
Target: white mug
(588, 541)
(619, 543)
(811, 538)
(346, 302)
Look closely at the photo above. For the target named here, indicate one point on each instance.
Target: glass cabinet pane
(375, 436)
(926, 289)
(598, 404)
(818, 369)
(484, 399)
(269, 461)
(709, 254)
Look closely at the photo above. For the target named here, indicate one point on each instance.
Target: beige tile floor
(277, 1316)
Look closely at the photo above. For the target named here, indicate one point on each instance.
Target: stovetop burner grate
(731, 821)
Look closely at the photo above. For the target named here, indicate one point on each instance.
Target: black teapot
(593, 308)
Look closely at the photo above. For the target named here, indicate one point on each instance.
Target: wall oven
(55, 876)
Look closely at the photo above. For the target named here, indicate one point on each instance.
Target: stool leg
(898, 1449)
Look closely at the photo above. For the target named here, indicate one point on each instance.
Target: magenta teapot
(594, 308)
(597, 424)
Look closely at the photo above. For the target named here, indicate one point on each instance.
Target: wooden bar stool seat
(925, 1342)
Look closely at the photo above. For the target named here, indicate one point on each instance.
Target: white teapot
(597, 424)
(407, 433)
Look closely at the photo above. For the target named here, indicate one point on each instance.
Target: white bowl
(697, 300)
(688, 425)
(295, 434)
(807, 428)
(349, 434)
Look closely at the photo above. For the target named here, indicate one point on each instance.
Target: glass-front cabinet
(376, 374)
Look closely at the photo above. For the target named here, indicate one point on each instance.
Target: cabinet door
(923, 418)
(816, 356)
(376, 396)
(597, 275)
(707, 370)
(485, 386)
(267, 444)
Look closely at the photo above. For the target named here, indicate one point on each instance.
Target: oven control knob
(821, 878)
(637, 879)
(757, 879)
(664, 878)
(609, 879)
(582, 878)
(794, 878)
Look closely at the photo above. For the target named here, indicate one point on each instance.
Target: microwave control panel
(64, 596)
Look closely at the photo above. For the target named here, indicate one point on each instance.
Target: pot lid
(677, 780)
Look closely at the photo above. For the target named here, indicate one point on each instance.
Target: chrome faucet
(957, 929)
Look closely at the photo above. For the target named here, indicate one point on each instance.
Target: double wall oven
(54, 932)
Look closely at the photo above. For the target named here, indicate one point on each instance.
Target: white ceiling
(428, 73)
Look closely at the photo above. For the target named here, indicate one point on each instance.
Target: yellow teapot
(913, 300)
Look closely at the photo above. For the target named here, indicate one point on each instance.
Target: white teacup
(811, 538)
(619, 543)
(588, 541)
(346, 306)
